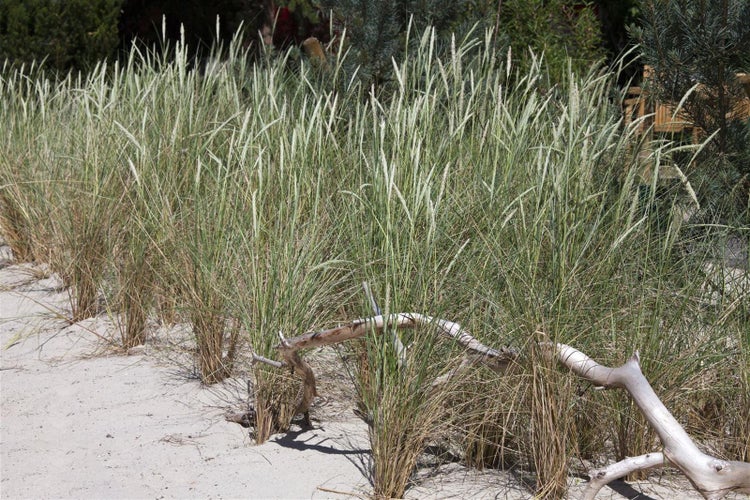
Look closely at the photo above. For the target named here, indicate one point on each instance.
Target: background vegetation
(696, 49)
(74, 34)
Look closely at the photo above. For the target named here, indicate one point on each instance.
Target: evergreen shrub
(561, 29)
(696, 48)
(565, 32)
(73, 34)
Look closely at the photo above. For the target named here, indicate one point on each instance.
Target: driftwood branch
(713, 478)
(398, 346)
(497, 359)
(599, 478)
(257, 358)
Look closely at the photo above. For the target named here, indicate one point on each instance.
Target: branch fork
(712, 477)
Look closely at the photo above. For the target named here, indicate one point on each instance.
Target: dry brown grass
(275, 393)
(402, 407)
(216, 341)
(15, 226)
(82, 251)
(549, 398)
(489, 418)
(136, 301)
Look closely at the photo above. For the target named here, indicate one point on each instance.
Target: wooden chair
(637, 105)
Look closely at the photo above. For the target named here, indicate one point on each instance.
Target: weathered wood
(359, 327)
(261, 359)
(599, 478)
(497, 359)
(712, 477)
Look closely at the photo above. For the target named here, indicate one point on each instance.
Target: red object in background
(285, 28)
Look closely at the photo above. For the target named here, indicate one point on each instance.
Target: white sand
(80, 422)
(77, 423)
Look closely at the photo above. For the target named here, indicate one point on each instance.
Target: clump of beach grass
(251, 201)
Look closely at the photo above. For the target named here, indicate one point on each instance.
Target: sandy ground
(79, 421)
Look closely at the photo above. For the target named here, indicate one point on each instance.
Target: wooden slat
(664, 119)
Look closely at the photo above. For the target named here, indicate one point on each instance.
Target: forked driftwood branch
(599, 478)
(288, 349)
(712, 477)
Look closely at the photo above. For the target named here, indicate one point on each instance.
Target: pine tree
(561, 29)
(704, 42)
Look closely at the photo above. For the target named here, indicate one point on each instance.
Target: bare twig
(257, 358)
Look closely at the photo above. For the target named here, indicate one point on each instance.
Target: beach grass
(252, 199)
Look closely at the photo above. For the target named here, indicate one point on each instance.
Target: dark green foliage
(696, 41)
(305, 9)
(615, 16)
(70, 34)
(559, 28)
(375, 30)
(150, 21)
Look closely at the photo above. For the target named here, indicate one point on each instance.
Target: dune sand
(82, 421)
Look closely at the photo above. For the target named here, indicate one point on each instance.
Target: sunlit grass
(251, 200)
